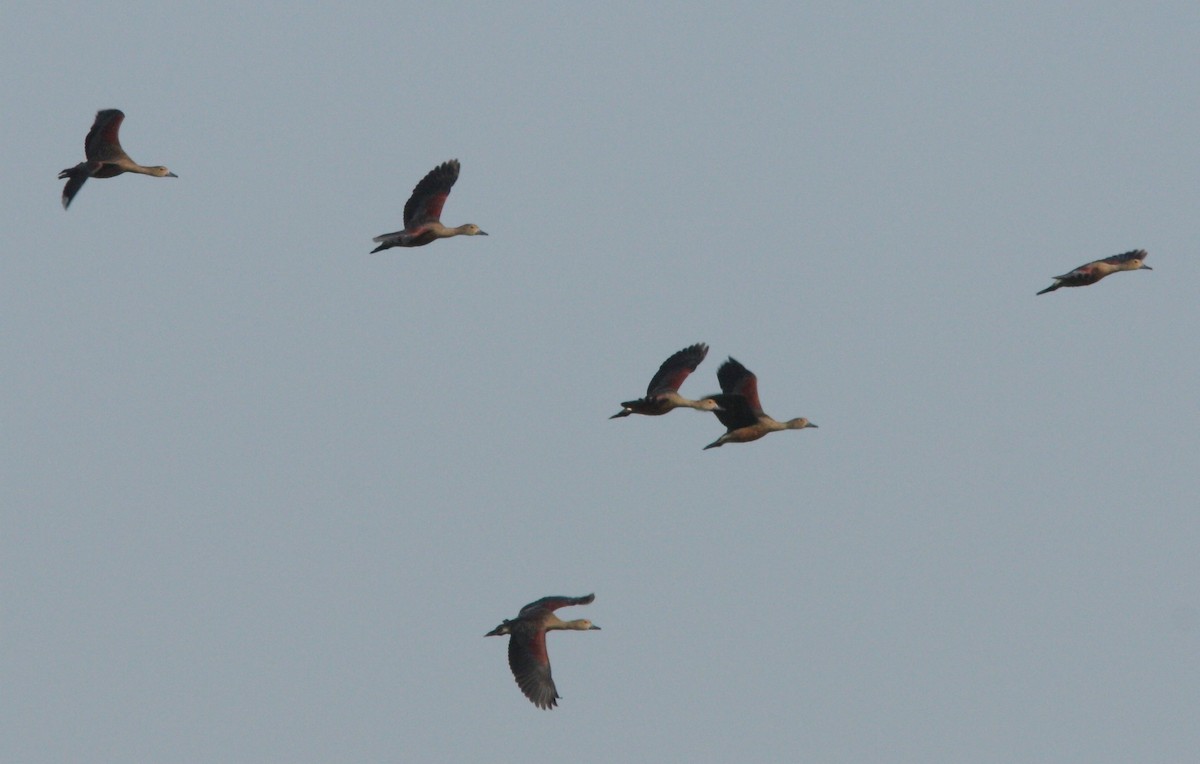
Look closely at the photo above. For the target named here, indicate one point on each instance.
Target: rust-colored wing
(102, 143)
(736, 379)
(530, 665)
(425, 204)
(676, 369)
(1081, 276)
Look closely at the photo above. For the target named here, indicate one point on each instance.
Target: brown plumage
(740, 410)
(105, 157)
(423, 210)
(527, 645)
(1098, 269)
(662, 395)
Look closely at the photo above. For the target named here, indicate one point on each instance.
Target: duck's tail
(75, 176)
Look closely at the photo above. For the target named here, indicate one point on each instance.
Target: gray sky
(263, 492)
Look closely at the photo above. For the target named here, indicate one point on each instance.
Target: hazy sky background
(264, 492)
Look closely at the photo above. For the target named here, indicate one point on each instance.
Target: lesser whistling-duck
(422, 210)
(105, 157)
(662, 395)
(1098, 269)
(527, 645)
(740, 411)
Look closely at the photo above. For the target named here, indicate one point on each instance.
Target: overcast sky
(263, 492)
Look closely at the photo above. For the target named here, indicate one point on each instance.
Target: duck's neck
(581, 624)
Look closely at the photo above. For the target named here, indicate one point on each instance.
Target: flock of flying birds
(736, 406)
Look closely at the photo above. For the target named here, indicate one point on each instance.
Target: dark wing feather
(1080, 272)
(530, 665)
(676, 369)
(1124, 257)
(1081, 276)
(425, 204)
(735, 411)
(736, 379)
(102, 143)
(554, 603)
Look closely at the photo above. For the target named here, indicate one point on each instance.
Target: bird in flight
(105, 157)
(423, 210)
(527, 644)
(740, 411)
(1098, 269)
(662, 395)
